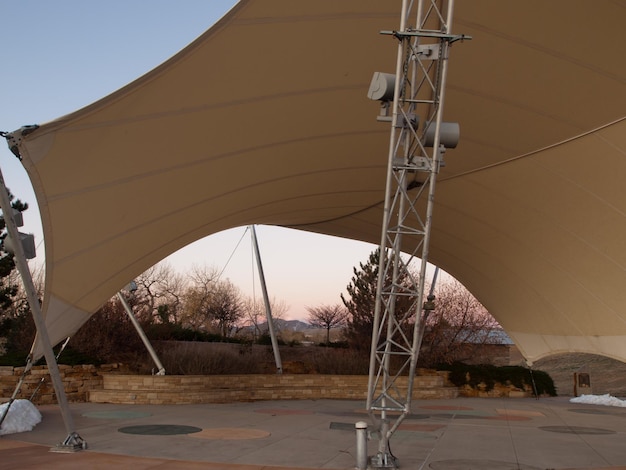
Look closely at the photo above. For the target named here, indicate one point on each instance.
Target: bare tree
(458, 324)
(225, 307)
(256, 314)
(327, 317)
(159, 294)
(108, 335)
(212, 304)
(195, 313)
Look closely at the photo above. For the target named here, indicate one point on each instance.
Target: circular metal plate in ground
(576, 430)
(119, 414)
(590, 411)
(159, 429)
(283, 411)
(345, 414)
(446, 407)
(231, 434)
(470, 464)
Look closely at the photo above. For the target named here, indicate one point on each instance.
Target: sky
(61, 56)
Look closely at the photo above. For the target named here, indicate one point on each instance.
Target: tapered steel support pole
(142, 334)
(73, 442)
(266, 300)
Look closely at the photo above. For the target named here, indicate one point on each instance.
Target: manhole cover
(590, 411)
(470, 464)
(446, 407)
(159, 429)
(283, 411)
(576, 430)
(115, 414)
(342, 426)
(231, 434)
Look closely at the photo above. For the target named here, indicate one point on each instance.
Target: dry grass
(195, 358)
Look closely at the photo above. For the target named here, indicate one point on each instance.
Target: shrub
(177, 332)
(72, 357)
(521, 377)
(335, 344)
(266, 340)
(14, 359)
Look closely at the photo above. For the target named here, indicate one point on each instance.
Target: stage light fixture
(382, 87)
(449, 133)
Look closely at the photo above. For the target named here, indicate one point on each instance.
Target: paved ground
(463, 433)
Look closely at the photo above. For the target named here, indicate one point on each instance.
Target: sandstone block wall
(77, 381)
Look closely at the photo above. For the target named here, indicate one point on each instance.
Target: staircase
(194, 389)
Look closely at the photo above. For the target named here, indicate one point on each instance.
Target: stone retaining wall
(194, 389)
(111, 383)
(77, 381)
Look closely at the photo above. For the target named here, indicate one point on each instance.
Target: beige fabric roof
(264, 120)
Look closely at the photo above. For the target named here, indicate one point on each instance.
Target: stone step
(207, 382)
(146, 397)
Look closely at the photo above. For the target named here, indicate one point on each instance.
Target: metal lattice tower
(416, 152)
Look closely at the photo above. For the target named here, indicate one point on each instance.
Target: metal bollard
(361, 445)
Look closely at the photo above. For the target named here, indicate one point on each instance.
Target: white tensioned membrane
(264, 120)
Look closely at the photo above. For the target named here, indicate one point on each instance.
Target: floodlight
(28, 245)
(382, 87)
(18, 218)
(449, 133)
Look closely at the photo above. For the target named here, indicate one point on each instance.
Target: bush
(521, 377)
(19, 333)
(266, 340)
(176, 332)
(14, 359)
(335, 344)
(71, 357)
(68, 357)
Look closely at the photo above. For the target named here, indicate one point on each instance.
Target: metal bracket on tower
(416, 151)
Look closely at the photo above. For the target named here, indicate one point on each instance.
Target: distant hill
(285, 325)
(293, 325)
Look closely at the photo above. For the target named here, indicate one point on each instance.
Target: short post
(361, 445)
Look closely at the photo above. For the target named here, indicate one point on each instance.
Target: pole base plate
(72, 443)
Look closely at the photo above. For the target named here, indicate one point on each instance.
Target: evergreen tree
(16, 324)
(8, 290)
(362, 302)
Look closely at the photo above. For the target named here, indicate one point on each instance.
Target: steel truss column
(415, 156)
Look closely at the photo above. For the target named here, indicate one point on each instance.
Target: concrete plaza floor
(462, 433)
